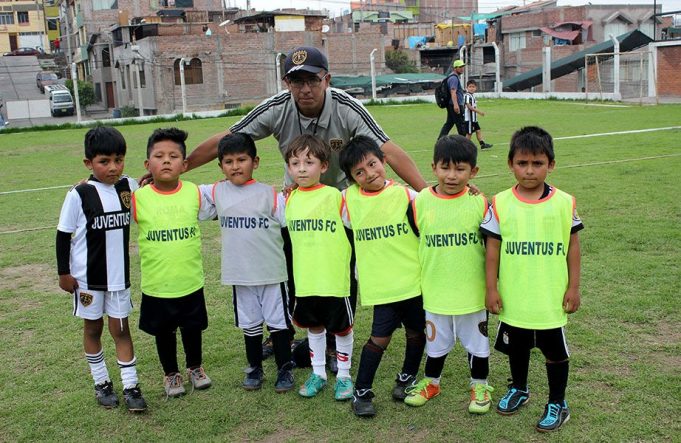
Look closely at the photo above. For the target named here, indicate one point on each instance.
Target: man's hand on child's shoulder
(571, 301)
(145, 180)
(288, 189)
(68, 283)
(473, 190)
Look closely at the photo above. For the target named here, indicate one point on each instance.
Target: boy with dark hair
(388, 270)
(452, 256)
(533, 247)
(321, 263)
(251, 216)
(471, 112)
(93, 263)
(167, 214)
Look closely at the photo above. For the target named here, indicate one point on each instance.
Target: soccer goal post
(623, 74)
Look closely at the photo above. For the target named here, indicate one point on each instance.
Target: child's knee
(92, 329)
(414, 336)
(377, 344)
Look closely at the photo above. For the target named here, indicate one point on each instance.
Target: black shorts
(334, 313)
(471, 127)
(551, 342)
(390, 316)
(163, 315)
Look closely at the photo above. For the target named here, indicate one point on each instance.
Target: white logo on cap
(299, 57)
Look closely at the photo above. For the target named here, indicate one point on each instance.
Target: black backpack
(442, 94)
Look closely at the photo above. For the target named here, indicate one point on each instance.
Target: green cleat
(312, 386)
(344, 389)
(420, 393)
(480, 398)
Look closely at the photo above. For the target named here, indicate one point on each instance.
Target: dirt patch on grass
(39, 278)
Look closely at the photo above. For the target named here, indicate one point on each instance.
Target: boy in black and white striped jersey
(93, 263)
(471, 112)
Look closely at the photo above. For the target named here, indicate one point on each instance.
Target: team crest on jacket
(85, 299)
(299, 57)
(482, 326)
(336, 144)
(125, 199)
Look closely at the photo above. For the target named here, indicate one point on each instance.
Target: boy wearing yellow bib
(533, 247)
(321, 264)
(167, 214)
(452, 256)
(388, 271)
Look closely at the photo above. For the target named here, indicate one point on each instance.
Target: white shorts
(443, 330)
(92, 305)
(255, 305)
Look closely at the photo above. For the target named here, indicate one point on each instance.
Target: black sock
(519, 361)
(281, 347)
(479, 367)
(166, 346)
(191, 340)
(557, 373)
(254, 349)
(434, 366)
(368, 365)
(413, 352)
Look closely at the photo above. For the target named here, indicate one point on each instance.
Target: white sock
(435, 381)
(344, 353)
(128, 373)
(317, 343)
(98, 367)
(475, 381)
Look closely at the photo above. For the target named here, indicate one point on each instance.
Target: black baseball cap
(305, 58)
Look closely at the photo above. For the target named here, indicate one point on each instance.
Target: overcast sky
(337, 6)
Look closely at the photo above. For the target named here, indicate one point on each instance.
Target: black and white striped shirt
(469, 99)
(98, 217)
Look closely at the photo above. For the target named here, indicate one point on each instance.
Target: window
(106, 58)
(22, 16)
(517, 41)
(647, 28)
(99, 5)
(193, 72)
(52, 24)
(615, 28)
(6, 19)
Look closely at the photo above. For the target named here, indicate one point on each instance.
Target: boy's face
(306, 169)
(452, 178)
(369, 173)
(238, 167)
(165, 162)
(106, 168)
(471, 89)
(530, 170)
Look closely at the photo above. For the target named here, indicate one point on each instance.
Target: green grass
(625, 379)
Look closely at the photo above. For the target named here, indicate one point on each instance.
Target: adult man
(310, 106)
(455, 105)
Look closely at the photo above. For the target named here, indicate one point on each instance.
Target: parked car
(61, 101)
(23, 51)
(45, 78)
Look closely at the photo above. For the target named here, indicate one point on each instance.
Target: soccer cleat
(361, 403)
(486, 146)
(285, 380)
(199, 378)
(254, 378)
(105, 395)
(555, 414)
(344, 389)
(480, 398)
(312, 386)
(420, 393)
(134, 400)
(512, 401)
(267, 349)
(173, 384)
(331, 361)
(402, 382)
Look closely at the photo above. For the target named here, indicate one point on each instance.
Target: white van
(61, 101)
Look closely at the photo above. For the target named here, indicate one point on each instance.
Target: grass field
(625, 379)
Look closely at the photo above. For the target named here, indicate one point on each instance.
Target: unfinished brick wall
(668, 82)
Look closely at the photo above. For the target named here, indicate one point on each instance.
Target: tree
(398, 61)
(86, 93)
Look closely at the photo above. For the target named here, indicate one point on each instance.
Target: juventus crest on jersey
(98, 216)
